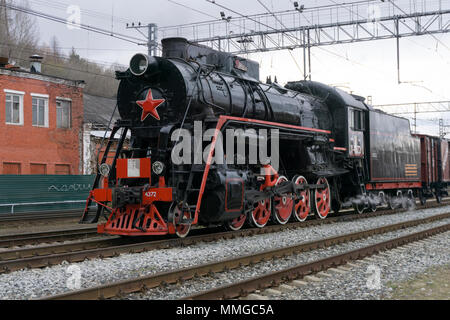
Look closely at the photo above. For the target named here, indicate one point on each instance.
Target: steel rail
(19, 217)
(151, 281)
(43, 256)
(34, 252)
(34, 237)
(45, 236)
(246, 287)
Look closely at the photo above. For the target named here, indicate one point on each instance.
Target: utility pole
(152, 43)
(397, 35)
(152, 38)
(304, 59)
(309, 55)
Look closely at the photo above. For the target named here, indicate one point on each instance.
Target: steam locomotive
(334, 150)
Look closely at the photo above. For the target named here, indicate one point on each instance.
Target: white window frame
(20, 94)
(45, 97)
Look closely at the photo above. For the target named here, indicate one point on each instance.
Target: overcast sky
(367, 68)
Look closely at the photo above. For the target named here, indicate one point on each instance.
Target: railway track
(34, 216)
(118, 289)
(43, 256)
(277, 278)
(46, 236)
(77, 233)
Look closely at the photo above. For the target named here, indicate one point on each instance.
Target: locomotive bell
(141, 63)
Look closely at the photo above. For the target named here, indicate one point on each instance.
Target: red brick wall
(27, 144)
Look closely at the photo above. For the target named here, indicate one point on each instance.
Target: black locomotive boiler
(333, 149)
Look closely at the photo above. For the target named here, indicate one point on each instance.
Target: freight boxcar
(435, 168)
(445, 164)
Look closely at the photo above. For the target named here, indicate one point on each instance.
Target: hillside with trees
(19, 39)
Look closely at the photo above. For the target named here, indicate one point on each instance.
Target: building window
(14, 108)
(11, 168)
(40, 111)
(63, 113)
(37, 168)
(62, 169)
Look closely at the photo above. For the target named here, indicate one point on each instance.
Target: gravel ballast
(397, 266)
(35, 283)
(352, 287)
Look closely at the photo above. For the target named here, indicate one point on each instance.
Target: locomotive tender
(334, 149)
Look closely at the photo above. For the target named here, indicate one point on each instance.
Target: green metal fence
(28, 193)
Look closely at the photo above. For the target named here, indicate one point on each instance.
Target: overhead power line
(318, 27)
(207, 14)
(290, 53)
(62, 57)
(253, 18)
(330, 6)
(420, 26)
(65, 67)
(105, 32)
(192, 9)
(418, 107)
(162, 29)
(244, 16)
(415, 108)
(88, 12)
(325, 26)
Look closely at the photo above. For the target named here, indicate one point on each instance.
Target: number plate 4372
(157, 194)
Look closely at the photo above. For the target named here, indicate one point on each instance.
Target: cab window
(357, 119)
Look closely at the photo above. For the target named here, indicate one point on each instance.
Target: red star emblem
(149, 106)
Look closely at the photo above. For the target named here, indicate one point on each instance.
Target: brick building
(41, 123)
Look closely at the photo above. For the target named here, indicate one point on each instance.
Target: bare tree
(54, 45)
(18, 32)
(19, 38)
(4, 30)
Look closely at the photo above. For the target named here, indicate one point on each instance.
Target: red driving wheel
(261, 214)
(322, 198)
(236, 223)
(302, 205)
(282, 205)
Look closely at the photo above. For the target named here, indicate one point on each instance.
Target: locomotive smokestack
(141, 63)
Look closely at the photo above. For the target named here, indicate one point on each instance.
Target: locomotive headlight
(104, 169)
(139, 64)
(157, 167)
